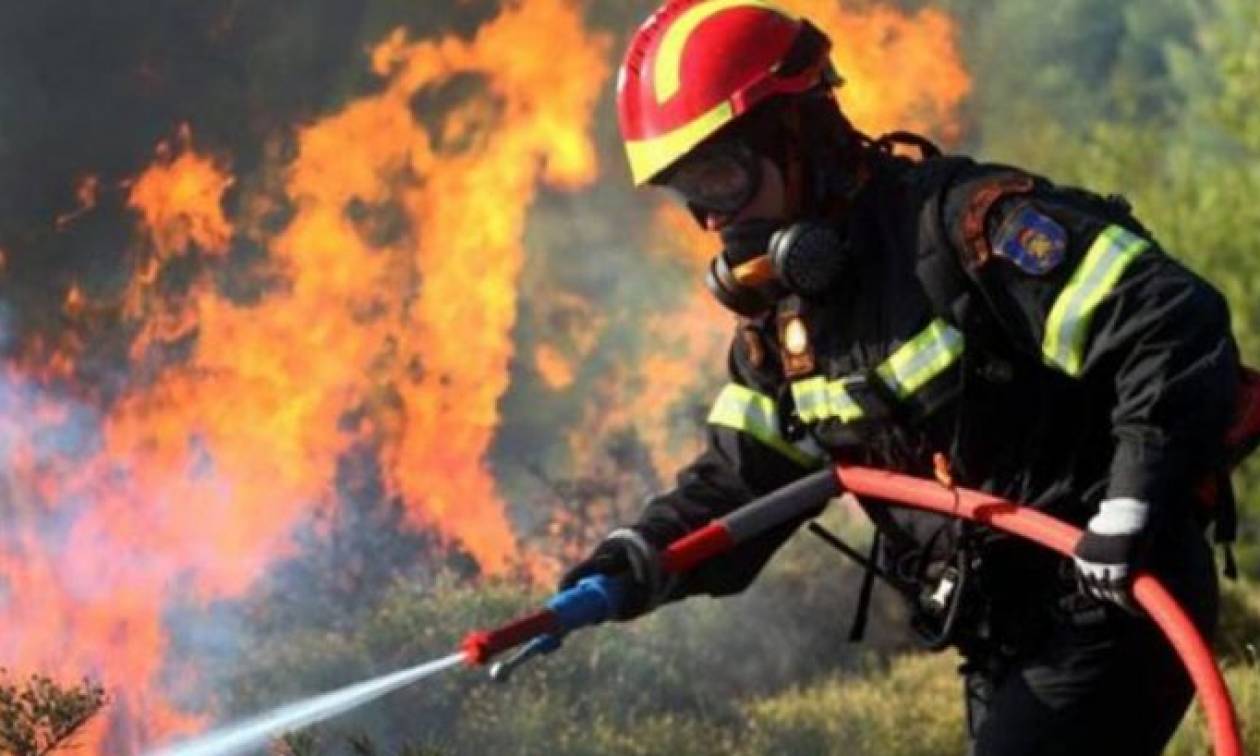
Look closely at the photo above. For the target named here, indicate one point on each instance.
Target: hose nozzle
(543, 644)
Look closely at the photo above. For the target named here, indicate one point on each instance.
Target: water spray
(596, 598)
(251, 733)
(592, 601)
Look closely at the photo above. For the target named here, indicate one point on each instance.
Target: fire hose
(595, 599)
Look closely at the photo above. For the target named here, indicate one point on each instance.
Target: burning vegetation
(267, 319)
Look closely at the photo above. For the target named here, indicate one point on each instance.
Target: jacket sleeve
(747, 455)
(1076, 282)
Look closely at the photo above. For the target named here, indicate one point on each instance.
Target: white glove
(1112, 544)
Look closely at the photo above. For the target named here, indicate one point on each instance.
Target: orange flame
(179, 199)
(901, 71)
(555, 370)
(74, 302)
(85, 194)
(396, 304)
(449, 349)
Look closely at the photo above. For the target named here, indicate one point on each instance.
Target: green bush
(1238, 639)
(1244, 684)
(911, 706)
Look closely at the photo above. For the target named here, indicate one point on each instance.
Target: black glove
(1109, 552)
(625, 554)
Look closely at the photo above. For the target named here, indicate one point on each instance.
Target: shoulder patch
(1031, 240)
(975, 216)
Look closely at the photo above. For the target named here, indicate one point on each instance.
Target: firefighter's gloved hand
(1107, 554)
(625, 553)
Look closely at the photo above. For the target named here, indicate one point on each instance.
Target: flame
(471, 215)
(390, 323)
(902, 71)
(179, 199)
(553, 367)
(179, 203)
(74, 302)
(85, 194)
(648, 392)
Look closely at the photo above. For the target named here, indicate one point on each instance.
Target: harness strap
(939, 272)
(862, 611)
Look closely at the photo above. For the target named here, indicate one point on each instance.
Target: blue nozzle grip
(592, 600)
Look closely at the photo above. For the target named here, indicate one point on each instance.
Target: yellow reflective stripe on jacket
(841, 404)
(746, 411)
(810, 396)
(1068, 325)
(818, 399)
(922, 358)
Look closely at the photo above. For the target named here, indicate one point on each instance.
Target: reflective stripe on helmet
(747, 411)
(1067, 327)
(667, 73)
(921, 359)
(649, 157)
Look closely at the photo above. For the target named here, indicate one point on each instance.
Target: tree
(39, 716)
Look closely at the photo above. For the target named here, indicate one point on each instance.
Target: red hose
(1035, 526)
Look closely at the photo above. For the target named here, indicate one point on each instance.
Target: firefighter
(937, 316)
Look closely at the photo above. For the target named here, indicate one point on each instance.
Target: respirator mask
(761, 261)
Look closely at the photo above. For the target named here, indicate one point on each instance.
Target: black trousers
(1097, 680)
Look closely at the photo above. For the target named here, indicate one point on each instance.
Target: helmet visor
(722, 178)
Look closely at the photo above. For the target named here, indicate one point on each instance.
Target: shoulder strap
(937, 264)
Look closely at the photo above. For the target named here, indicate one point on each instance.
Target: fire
(179, 199)
(470, 215)
(390, 324)
(570, 328)
(85, 194)
(73, 304)
(902, 71)
(555, 370)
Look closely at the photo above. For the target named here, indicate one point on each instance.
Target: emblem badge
(1032, 241)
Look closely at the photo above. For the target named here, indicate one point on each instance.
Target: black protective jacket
(1038, 336)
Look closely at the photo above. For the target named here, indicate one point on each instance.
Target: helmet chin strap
(794, 173)
(837, 166)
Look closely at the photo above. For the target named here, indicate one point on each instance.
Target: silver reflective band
(1067, 327)
(749, 412)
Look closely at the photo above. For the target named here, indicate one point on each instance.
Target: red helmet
(697, 65)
